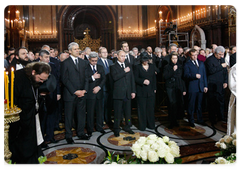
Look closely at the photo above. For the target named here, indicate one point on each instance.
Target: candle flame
(12, 69)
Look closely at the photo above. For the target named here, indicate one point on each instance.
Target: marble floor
(196, 144)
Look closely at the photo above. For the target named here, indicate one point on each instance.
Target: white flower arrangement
(227, 144)
(156, 149)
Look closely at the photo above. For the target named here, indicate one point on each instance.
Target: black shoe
(102, 131)
(116, 134)
(192, 125)
(69, 140)
(44, 145)
(83, 137)
(130, 131)
(127, 129)
(202, 123)
(54, 141)
(89, 134)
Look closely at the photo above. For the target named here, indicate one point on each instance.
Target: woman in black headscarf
(175, 88)
(145, 79)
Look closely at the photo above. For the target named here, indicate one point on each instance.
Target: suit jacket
(190, 71)
(232, 59)
(132, 60)
(108, 83)
(217, 75)
(123, 83)
(140, 74)
(72, 78)
(98, 82)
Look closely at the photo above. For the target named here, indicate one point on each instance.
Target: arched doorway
(197, 37)
(101, 21)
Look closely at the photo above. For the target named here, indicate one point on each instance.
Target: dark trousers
(77, 106)
(216, 106)
(94, 105)
(175, 104)
(107, 107)
(146, 112)
(119, 106)
(192, 99)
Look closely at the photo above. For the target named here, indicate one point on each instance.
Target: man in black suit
(217, 82)
(94, 97)
(107, 88)
(87, 51)
(195, 74)
(74, 77)
(129, 58)
(123, 91)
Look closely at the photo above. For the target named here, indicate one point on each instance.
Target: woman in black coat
(145, 79)
(175, 88)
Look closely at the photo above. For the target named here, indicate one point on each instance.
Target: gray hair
(93, 55)
(42, 52)
(134, 48)
(171, 45)
(87, 48)
(219, 49)
(119, 52)
(71, 45)
(158, 49)
(45, 46)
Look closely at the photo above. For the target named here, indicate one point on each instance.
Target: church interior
(33, 26)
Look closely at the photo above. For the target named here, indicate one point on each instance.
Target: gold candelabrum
(11, 115)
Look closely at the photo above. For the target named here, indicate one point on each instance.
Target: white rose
(221, 140)
(145, 147)
(141, 141)
(107, 162)
(221, 160)
(234, 142)
(165, 139)
(154, 146)
(153, 156)
(172, 143)
(169, 158)
(218, 144)
(152, 137)
(137, 153)
(150, 142)
(135, 147)
(234, 135)
(143, 155)
(175, 151)
(163, 150)
(228, 139)
(114, 163)
(223, 145)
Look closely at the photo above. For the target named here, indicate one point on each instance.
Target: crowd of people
(84, 85)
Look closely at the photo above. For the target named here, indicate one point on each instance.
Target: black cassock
(22, 134)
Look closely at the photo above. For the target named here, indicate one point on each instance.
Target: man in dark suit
(87, 51)
(94, 97)
(195, 74)
(123, 91)
(74, 77)
(129, 58)
(107, 87)
(217, 82)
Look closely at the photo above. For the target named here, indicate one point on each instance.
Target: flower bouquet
(155, 150)
(227, 144)
(228, 160)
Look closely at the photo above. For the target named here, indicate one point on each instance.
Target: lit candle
(11, 23)
(6, 90)
(12, 85)
(17, 14)
(5, 83)
(23, 23)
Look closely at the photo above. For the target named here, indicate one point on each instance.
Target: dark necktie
(94, 70)
(127, 58)
(122, 66)
(195, 63)
(106, 65)
(76, 62)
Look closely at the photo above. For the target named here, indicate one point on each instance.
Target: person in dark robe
(175, 88)
(25, 136)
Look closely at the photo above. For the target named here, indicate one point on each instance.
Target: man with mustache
(25, 136)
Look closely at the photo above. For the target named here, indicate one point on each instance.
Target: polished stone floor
(196, 144)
